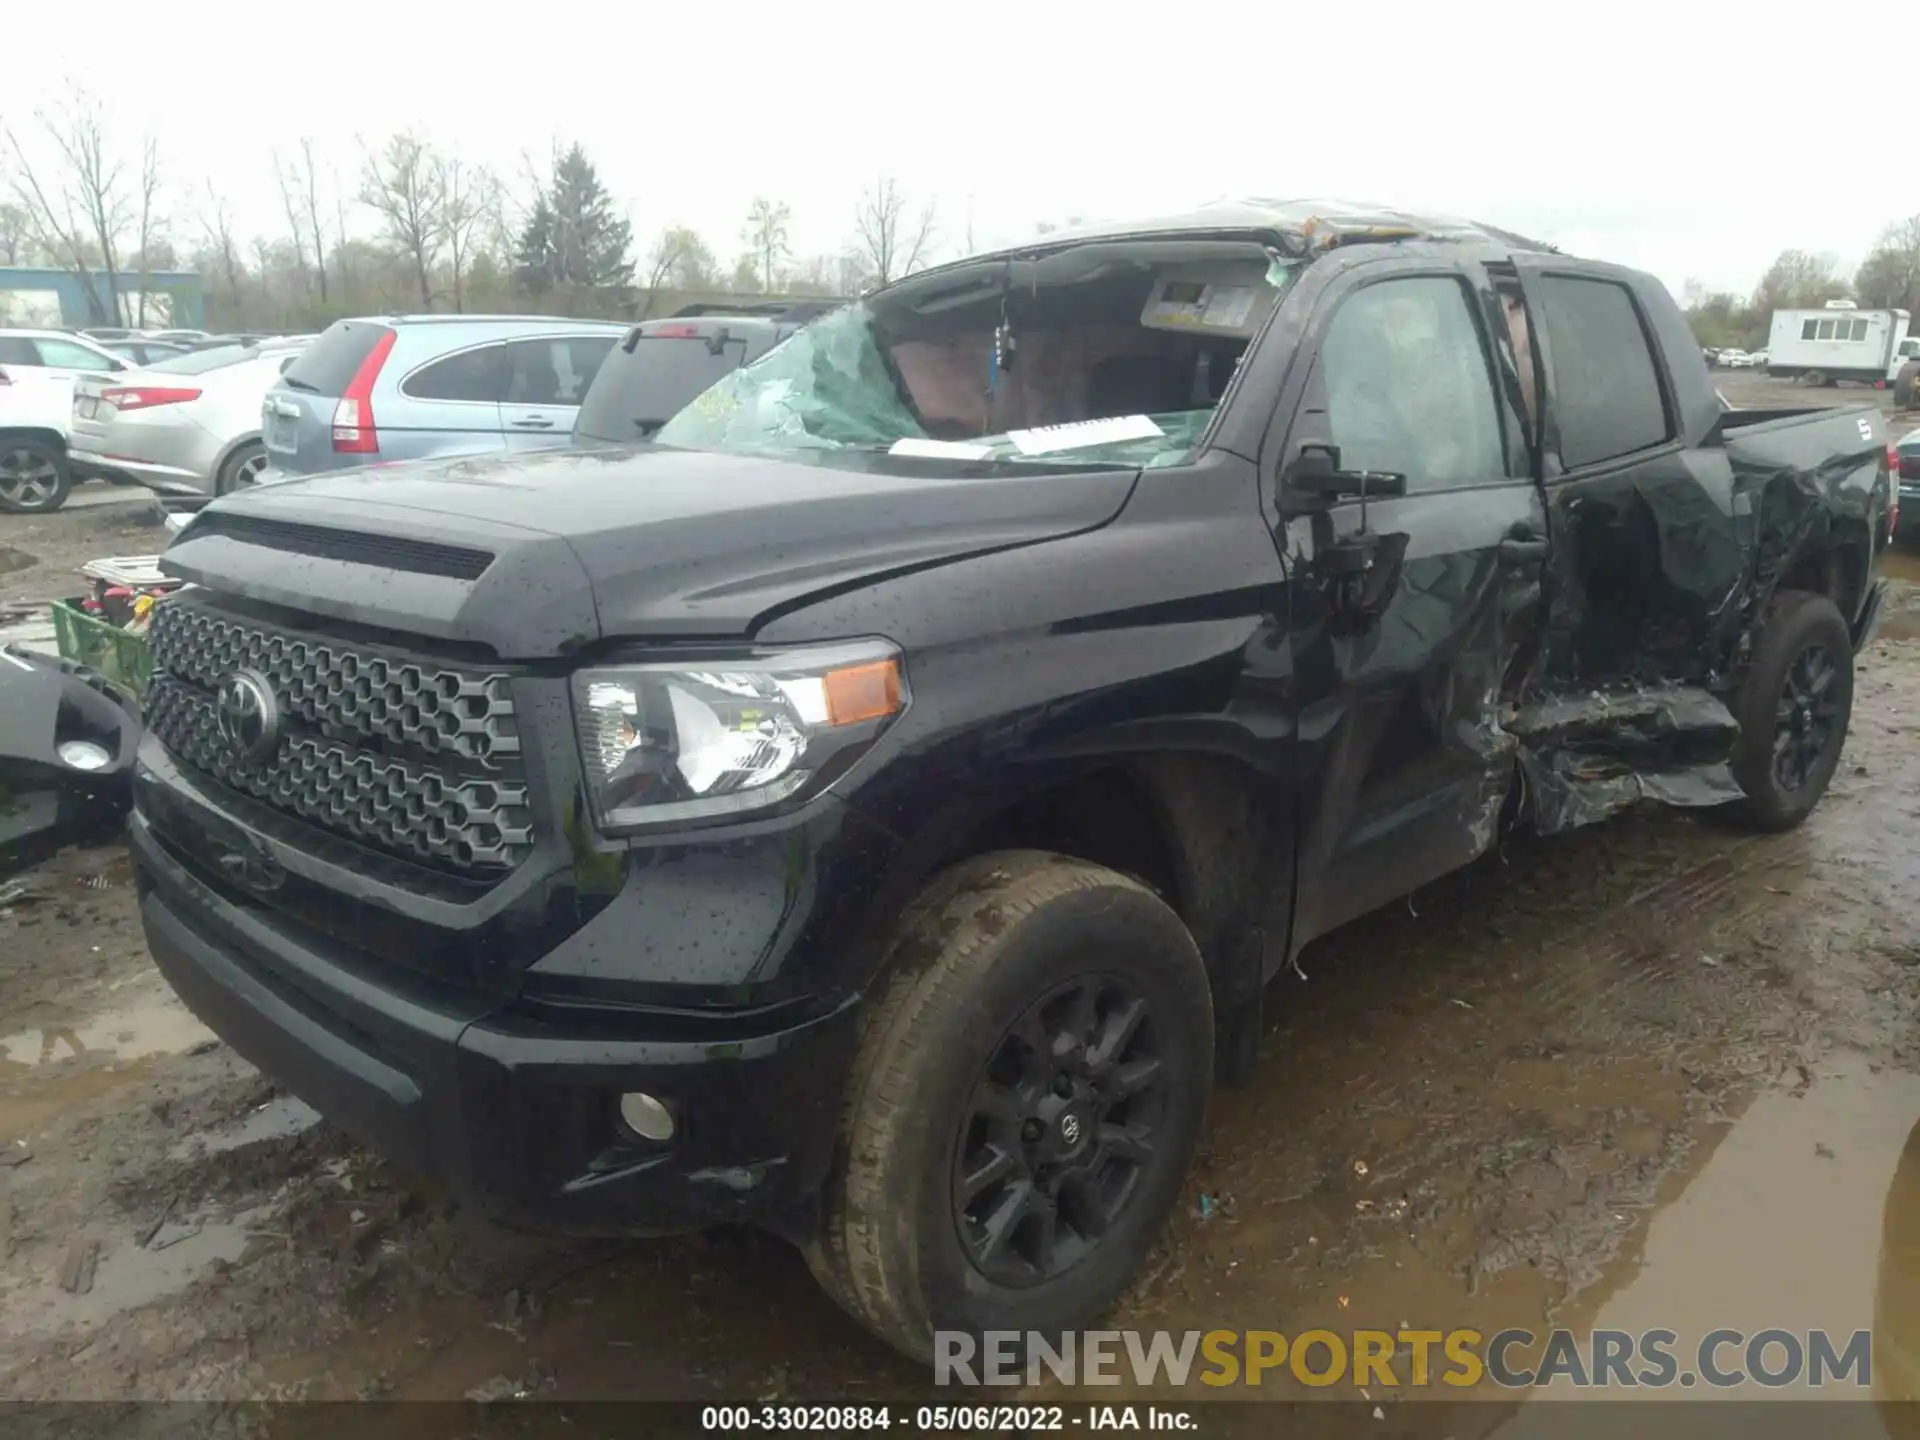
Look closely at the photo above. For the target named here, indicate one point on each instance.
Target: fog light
(646, 1117)
(84, 755)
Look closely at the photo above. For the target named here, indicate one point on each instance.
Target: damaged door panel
(1415, 538)
(1674, 522)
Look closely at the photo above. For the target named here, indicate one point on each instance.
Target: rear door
(546, 379)
(1647, 548)
(1409, 616)
(449, 405)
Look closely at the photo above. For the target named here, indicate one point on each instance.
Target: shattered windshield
(1108, 354)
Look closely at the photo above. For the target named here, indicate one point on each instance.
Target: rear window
(1605, 385)
(327, 366)
(639, 389)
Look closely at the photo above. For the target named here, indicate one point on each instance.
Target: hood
(541, 554)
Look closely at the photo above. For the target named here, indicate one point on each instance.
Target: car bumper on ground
(512, 1114)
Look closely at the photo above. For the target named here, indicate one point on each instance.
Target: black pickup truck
(873, 809)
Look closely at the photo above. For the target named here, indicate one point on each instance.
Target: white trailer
(1840, 342)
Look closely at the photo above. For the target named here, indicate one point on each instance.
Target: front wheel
(1031, 1082)
(34, 475)
(1793, 707)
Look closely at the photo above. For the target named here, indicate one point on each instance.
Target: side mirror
(1316, 471)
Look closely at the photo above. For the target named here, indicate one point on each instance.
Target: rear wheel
(1793, 707)
(240, 469)
(1903, 385)
(1029, 1089)
(34, 475)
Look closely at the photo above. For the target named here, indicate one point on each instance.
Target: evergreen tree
(573, 235)
(533, 260)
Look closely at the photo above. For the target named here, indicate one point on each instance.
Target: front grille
(416, 757)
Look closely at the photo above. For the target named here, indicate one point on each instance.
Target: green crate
(123, 658)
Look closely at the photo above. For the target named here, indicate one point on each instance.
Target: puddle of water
(126, 1276)
(1807, 1217)
(159, 1025)
(275, 1120)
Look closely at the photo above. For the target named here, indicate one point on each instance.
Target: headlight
(689, 740)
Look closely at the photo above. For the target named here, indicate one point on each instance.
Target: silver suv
(411, 387)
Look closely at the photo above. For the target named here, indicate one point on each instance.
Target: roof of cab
(1300, 227)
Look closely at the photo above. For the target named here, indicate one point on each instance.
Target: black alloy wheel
(1059, 1131)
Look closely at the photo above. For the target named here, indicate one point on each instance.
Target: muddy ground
(1592, 1080)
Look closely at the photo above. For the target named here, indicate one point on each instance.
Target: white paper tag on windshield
(940, 449)
(1082, 433)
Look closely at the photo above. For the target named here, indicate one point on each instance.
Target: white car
(58, 353)
(35, 474)
(189, 425)
(1735, 359)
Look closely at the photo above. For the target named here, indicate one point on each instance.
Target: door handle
(533, 422)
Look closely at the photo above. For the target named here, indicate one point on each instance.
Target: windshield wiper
(293, 384)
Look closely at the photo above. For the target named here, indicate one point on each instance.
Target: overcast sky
(1665, 136)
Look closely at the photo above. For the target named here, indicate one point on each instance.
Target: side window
(579, 362)
(1606, 388)
(17, 350)
(471, 375)
(65, 355)
(1825, 332)
(554, 371)
(1409, 385)
(1809, 329)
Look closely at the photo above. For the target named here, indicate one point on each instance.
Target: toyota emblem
(249, 716)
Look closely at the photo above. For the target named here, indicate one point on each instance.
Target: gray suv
(411, 387)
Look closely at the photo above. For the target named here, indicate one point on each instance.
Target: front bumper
(513, 1114)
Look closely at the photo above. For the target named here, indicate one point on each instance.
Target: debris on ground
(76, 1270)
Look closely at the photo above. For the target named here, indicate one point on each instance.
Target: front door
(1410, 614)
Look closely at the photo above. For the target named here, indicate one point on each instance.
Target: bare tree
(680, 259)
(892, 242)
(287, 179)
(468, 198)
(18, 234)
(766, 237)
(1890, 275)
(309, 188)
(78, 206)
(150, 220)
(403, 185)
(218, 227)
(1798, 280)
(97, 177)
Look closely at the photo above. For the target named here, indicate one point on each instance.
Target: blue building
(31, 296)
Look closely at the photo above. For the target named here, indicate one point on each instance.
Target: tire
(1001, 948)
(35, 478)
(1903, 385)
(1793, 707)
(238, 470)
